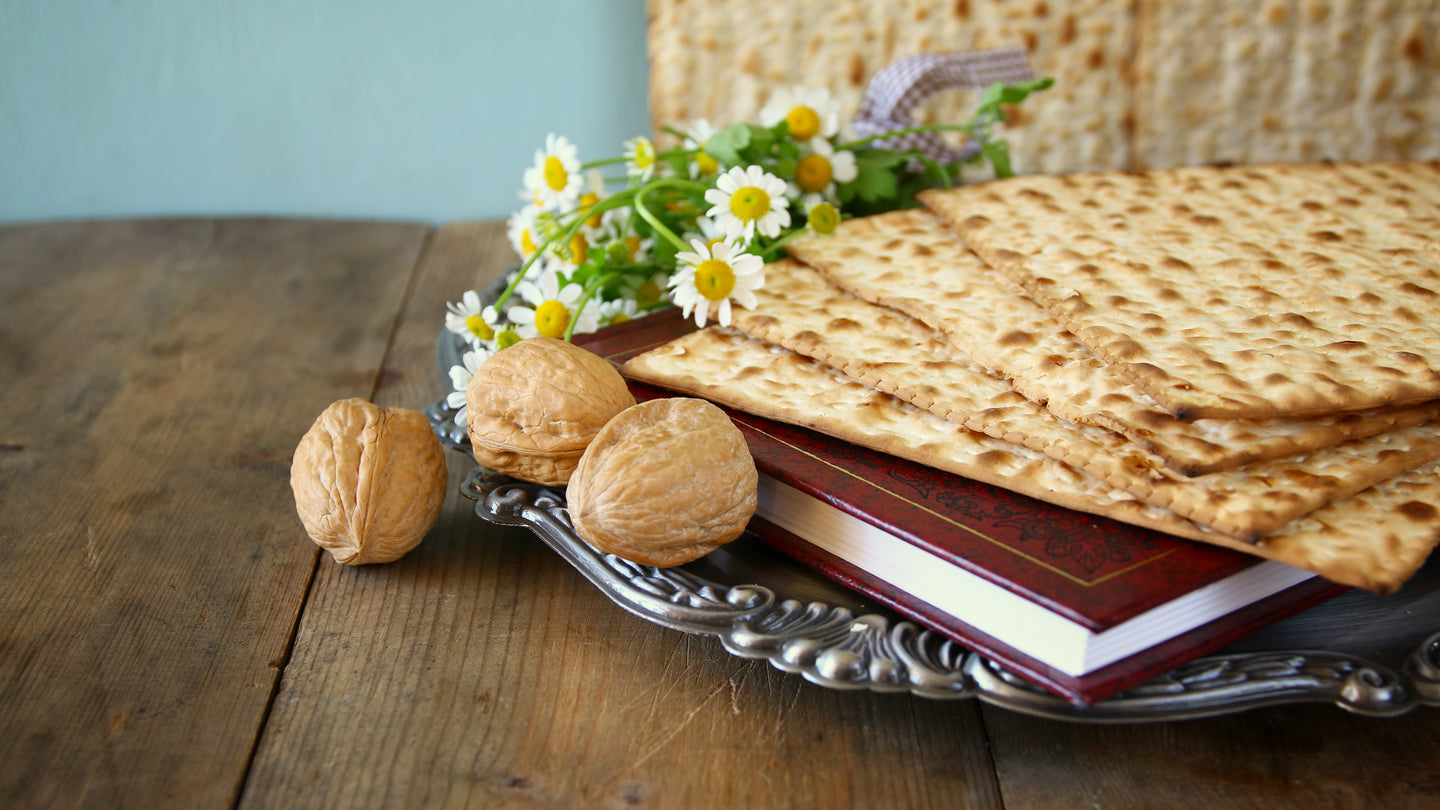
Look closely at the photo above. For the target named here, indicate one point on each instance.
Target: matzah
(910, 261)
(1240, 82)
(720, 60)
(1375, 539)
(1229, 293)
(1147, 84)
(800, 310)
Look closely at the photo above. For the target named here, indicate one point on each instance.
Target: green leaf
(935, 174)
(875, 175)
(663, 252)
(998, 153)
(725, 145)
(678, 162)
(761, 146)
(999, 94)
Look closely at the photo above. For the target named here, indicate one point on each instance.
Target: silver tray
(1366, 654)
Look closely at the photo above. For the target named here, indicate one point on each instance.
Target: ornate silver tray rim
(836, 647)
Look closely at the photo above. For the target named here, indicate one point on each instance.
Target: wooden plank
(482, 670)
(154, 380)
(1296, 756)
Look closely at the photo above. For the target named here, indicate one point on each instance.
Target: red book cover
(1091, 572)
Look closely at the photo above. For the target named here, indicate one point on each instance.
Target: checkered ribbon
(902, 85)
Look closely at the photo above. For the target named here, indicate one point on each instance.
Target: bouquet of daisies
(693, 225)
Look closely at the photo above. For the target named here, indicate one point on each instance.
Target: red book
(1082, 605)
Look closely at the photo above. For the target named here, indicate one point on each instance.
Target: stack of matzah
(1248, 356)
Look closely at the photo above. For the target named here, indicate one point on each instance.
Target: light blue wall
(411, 109)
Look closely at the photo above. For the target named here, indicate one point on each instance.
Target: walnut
(534, 407)
(665, 482)
(368, 481)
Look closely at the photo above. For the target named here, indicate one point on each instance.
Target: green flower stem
(654, 221)
(595, 164)
(770, 249)
(590, 288)
(677, 151)
(520, 276)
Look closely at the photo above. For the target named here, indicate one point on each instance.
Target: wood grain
(155, 378)
(170, 638)
(1300, 756)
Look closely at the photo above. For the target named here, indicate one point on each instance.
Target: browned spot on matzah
(1415, 510)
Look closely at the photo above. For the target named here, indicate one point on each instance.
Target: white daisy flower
(749, 201)
(470, 320)
(571, 253)
(640, 158)
(594, 192)
(616, 221)
(716, 275)
(551, 307)
(460, 377)
(640, 248)
(702, 165)
(554, 181)
(615, 233)
(523, 231)
(619, 310)
(646, 291)
(709, 232)
(817, 172)
(809, 112)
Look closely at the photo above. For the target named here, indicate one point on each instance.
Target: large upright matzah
(720, 60)
(1243, 82)
(1238, 292)
(1147, 83)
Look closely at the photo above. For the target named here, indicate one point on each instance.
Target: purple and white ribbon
(901, 86)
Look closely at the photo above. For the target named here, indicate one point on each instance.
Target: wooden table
(169, 637)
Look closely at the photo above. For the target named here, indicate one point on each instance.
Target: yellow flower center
(714, 279)
(555, 175)
(749, 203)
(647, 293)
(579, 249)
(824, 218)
(527, 242)
(551, 319)
(633, 242)
(619, 317)
(644, 154)
(478, 327)
(587, 201)
(706, 164)
(804, 123)
(814, 173)
(506, 339)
